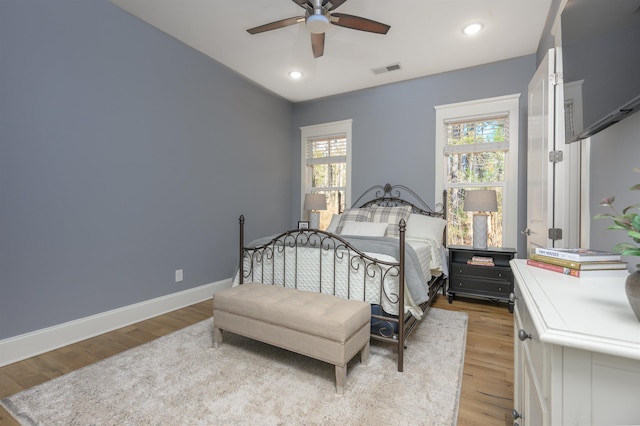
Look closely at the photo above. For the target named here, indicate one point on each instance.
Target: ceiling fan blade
(275, 25)
(358, 23)
(317, 44)
(332, 4)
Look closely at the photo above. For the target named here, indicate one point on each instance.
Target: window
(326, 164)
(478, 141)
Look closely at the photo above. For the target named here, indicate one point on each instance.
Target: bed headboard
(394, 195)
(400, 195)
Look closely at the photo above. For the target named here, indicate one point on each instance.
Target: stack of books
(579, 262)
(481, 260)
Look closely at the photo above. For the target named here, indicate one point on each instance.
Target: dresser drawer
(534, 348)
(491, 272)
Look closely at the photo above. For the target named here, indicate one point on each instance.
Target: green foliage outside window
(481, 166)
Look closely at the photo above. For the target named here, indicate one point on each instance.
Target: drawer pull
(515, 415)
(523, 335)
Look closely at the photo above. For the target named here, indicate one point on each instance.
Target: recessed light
(296, 75)
(472, 29)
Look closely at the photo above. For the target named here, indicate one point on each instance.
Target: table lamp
(313, 203)
(481, 202)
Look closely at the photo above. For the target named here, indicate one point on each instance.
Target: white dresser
(577, 350)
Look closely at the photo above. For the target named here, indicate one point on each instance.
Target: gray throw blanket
(416, 283)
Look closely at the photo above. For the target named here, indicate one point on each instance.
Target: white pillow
(421, 227)
(333, 225)
(364, 229)
(352, 215)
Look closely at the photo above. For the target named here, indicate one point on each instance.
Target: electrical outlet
(178, 275)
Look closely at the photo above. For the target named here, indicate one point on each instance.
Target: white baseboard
(37, 342)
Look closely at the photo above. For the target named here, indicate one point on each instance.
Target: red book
(577, 272)
(550, 267)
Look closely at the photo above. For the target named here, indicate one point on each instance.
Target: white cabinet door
(607, 395)
(529, 405)
(518, 372)
(533, 414)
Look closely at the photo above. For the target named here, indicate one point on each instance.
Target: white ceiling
(425, 38)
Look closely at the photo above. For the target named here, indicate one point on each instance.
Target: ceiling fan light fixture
(472, 29)
(317, 24)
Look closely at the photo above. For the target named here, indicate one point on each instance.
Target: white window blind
(327, 150)
(326, 161)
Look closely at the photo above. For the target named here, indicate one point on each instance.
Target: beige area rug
(179, 379)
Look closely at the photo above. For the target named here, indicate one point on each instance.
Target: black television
(600, 55)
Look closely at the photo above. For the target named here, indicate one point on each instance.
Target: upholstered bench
(320, 326)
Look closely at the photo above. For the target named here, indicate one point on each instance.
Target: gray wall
(124, 155)
(615, 152)
(547, 40)
(394, 126)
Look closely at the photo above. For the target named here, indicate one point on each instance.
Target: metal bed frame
(385, 327)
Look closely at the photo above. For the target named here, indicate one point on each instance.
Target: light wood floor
(487, 387)
(487, 383)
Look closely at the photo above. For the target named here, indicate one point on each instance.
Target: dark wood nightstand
(489, 282)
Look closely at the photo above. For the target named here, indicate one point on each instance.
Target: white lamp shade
(481, 200)
(315, 202)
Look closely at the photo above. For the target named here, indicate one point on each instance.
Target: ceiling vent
(388, 68)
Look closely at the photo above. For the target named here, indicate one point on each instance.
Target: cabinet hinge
(555, 156)
(555, 234)
(555, 78)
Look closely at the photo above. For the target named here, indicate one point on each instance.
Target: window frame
(319, 131)
(478, 109)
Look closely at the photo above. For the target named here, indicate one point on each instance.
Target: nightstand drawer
(492, 272)
(481, 286)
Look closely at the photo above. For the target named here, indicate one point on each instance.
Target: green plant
(627, 221)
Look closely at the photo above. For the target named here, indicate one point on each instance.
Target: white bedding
(316, 269)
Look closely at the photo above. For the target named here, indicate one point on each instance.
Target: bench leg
(217, 337)
(364, 354)
(341, 378)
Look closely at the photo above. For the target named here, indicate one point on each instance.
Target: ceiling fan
(318, 16)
